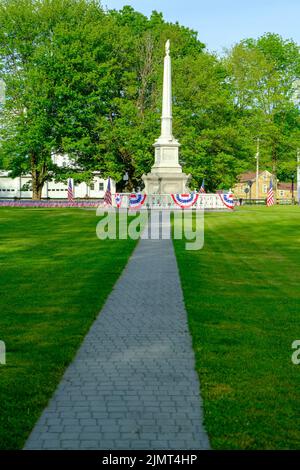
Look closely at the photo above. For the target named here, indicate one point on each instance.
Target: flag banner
(118, 200)
(202, 189)
(185, 200)
(107, 195)
(227, 200)
(70, 190)
(137, 200)
(270, 196)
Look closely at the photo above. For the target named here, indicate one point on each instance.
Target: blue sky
(223, 23)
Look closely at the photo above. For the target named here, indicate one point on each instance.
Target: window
(92, 186)
(265, 190)
(281, 193)
(101, 186)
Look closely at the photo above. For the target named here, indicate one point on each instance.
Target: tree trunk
(37, 178)
(36, 190)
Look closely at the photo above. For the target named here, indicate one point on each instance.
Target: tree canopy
(87, 82)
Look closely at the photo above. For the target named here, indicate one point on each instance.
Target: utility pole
(293, 198)
(257, 166)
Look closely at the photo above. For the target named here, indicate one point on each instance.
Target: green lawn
(242, 296)
(243, 301)
(54, 277)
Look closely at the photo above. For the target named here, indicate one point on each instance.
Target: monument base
(165, 182)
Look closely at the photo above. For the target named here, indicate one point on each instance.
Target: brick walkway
(132, 384)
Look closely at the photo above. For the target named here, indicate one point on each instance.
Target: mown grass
(242, 296)
(55, 275)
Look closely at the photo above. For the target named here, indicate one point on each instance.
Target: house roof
(286, 186)
(250, 175)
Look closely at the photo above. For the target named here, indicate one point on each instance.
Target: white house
(20, 187)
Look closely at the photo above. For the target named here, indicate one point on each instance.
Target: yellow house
(245, 188)
(284, 191)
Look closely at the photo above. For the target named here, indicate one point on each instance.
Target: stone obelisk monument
(166, 175)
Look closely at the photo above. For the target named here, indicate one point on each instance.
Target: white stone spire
(166, 174)
(166, 118)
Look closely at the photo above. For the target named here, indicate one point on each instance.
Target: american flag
(70, 190)
(107, 195)
(202, 189)
(270, 195)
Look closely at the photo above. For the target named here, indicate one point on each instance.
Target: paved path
(132, 384)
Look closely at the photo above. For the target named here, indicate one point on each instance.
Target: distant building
(284, 190)
(242, 187)
(20, 187)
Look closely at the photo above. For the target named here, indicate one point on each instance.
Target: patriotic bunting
(136, 200)
(227, 200)
(185, 200)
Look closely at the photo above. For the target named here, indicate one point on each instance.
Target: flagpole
(257, 167)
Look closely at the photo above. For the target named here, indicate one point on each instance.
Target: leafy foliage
(263, 75)
(87, 82)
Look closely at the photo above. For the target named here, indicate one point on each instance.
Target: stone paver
(132, 384)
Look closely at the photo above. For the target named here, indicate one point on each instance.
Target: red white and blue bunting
(137, 200)
(185, 200)
(227, 200)
(118, 200)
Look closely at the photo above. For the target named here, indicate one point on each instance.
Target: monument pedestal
(165, 183)
(166, 175)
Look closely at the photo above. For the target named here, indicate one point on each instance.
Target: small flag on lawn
(202, 189)
(70, 190)
(107, 195)
(118, 200)
(270, 195)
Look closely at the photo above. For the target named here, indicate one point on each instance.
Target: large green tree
(204, 116)
(127, 135)
(263, 75)
(53, 60)
(88, 83)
